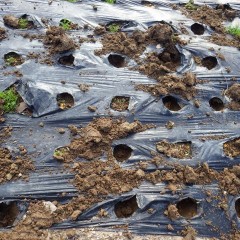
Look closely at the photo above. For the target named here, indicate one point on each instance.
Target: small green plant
(234, 30)
(72, 1)
(65, 24)
(10, 100)
(190, 5)
(59, 153)
(10, 61)
(113, 27)
(23, 23)
(110, 1)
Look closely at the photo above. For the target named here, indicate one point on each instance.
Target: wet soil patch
(67, 60)
(216, 104)
(237, 207)
(18, 23)
(197, 29)
(13, 59)
(116, 60)
(232, 148)
(181, 150)
(187, 208)
(171, 103)
(209, 62)
(234, 94)
(57, 40)
(122, 152)
(65, 100)
(8, 213)
(126, 208)
(120, 103)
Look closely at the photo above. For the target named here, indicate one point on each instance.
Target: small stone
(169, 125)
(63, 82)
(41, 124)
(140, 173)
(92, 108)
(61, 130)
(75, 214)
(95, 8)
(196, 103)
(9, 176)
(14, 166)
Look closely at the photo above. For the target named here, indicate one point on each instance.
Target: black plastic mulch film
(41, 84)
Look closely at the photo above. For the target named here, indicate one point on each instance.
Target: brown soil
(8, 214)
(172, 212)
(2, 33)
(126, 208)
(184, 86)
(232, 148)
(57, 40)
(13, 22)
(65, 101)
(14, 168)
(237, 207)
(180, 150)
(120, 103)
(66, 60)
(214, 18)
(234, 93)
(209, 62)
(189, 233)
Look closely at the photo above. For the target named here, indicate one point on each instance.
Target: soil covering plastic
(127, 118)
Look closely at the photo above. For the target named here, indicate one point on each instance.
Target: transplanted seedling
(13, 59)
(234, 30)
(65, 24)
(113, 27)
(10, 100)
(59, 153)
(23, 23)
(110, 1)
(72, 1)
(190, 5)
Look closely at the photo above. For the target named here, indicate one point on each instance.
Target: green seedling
(59, 153)
(234, 30)
(11, 61)
(72, 1)
(23, 23)
(113, 27)
(65, 24)
(110, 1)
(10, 99)
(190, 5)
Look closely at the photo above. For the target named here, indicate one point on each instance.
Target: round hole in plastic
(120, 103)
(171, 103)
(8, 213)
(116, 60)
(13, 59)
(224, 7)
(126, 208)
(122, 152)
(147, 3)
(187, 208)
(197, 29)
(65, 100)
(216, 104)
(209, 62)
(66, 60)
(170, 54)
(237, 207)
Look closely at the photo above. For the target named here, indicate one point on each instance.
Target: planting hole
(187, 208)
(171, 103)
(209, 62)
(197, 29)
(116, 60)
(147, 3)
(66, 60)
(13, 59)
(8, 213)
(170, 54)
(216, 104)
(120, 103)
(232, 148)
(126, 208)
(237, 207)
(65, 100)
(122, 152)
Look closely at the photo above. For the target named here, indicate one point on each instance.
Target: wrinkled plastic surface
(41, 84)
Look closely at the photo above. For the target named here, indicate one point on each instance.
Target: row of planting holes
(187, 208)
